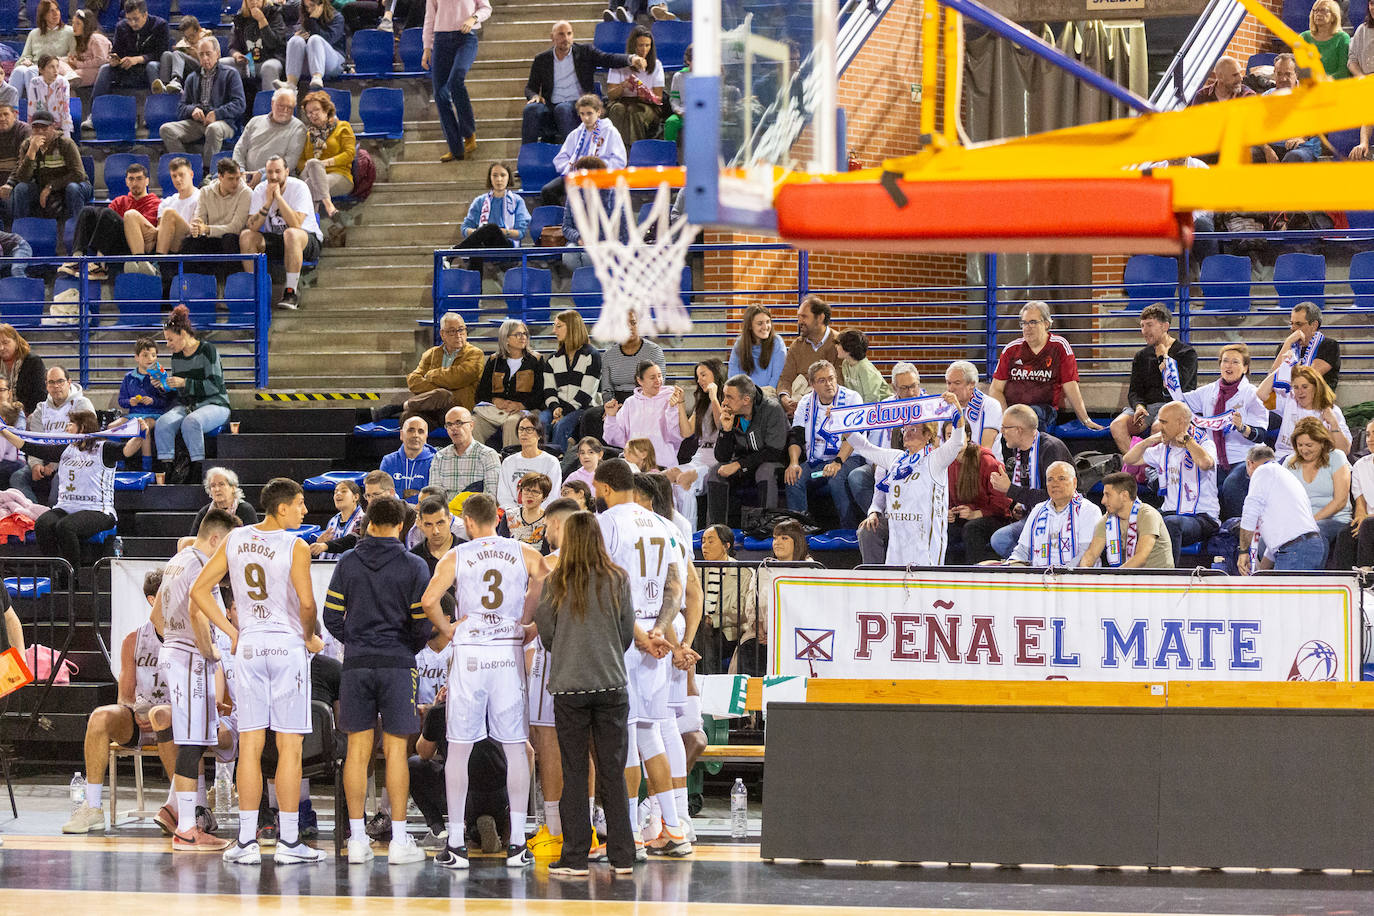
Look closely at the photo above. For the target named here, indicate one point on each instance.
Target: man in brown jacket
(816, 340)
(49, 172)
(447, 375)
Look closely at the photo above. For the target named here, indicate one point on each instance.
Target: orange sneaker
(197, 840)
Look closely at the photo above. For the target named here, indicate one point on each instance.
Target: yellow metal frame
(1116, 148)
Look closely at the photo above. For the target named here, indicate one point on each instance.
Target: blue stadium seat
(1360, 219)
(198, 292)
(586, 293)
(88, 163)
(670, 42)
(262, 102)
(612, 36)
(41, 234)
(133, 480)
(164, 172)
(374, 53)
(455, 285)
(1300, 277)
(381, 429)
(382, 110)
(138, 300)
(1362, 279)
(157, 111)
(1358, 12)
(548, 215)
(215, 160)
(1225, 281)
(1150, 278)
(240, 296)
(115, 165)
(1343, 141)
(28, 586)
(1074, 429)
(343, 102)
(115, 119)
(837, 539)
(208, 12)
(327, 481)
(161, 9)
(653, 152)
(109, 17)
(534, 165)
(74, 107)
(1259, 60)
(308, 533)
(9, 16)
(1295, 14)
(21, 299)
(411, 47)
(527, 292)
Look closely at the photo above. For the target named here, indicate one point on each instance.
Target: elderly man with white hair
(1038, 369)
(906, 383)
(277, 133)
(1183, 457)
(984, 414)
(1057, 531)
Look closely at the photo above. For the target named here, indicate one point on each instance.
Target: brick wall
(882, 121)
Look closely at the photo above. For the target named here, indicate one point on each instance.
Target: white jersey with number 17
(260, 573)
(641, 544)
(490, 581)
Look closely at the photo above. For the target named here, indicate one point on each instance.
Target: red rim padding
(1100, 215)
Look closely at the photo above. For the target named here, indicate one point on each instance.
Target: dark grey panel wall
(1069, 785)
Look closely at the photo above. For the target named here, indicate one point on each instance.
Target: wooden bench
(119, 752)
(733, 753)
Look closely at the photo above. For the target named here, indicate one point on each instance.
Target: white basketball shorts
(537, 689)
(273, 689)
(486, 694)
(191, 689)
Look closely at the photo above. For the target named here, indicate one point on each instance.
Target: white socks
(669, 808)
(680, 796)
(356, 830)
(93, 792)
(293, 279)
(290, 822)
(398, 831)
(456, 785)
(552, 819)
(186, 811)
(517, 790)
(248, 826)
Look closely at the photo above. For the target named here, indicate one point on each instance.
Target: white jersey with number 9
(490, 581)
(260, 573)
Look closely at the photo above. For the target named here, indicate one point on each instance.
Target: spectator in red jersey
(100, 230)
(1038, 369)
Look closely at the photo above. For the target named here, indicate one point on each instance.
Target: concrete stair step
(400, 318)
(349, 277)
(488, 151)
(401, 233)
(366, 362)
(366, 338)
(388, 193)
(393, 255)
(287, 380)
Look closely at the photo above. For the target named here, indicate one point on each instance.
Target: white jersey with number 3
(490, 581)
(260, 572)
(644, 546)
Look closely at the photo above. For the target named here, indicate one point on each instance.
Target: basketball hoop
(638, 264)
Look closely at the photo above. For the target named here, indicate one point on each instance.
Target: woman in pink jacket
(650, 413)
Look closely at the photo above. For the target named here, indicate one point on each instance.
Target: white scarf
(1173, 382)
(904, 467)
(1183, 498)
(1119, 548)
(1066, 537)
(510, 203)
(590, 140)
(1297, 356)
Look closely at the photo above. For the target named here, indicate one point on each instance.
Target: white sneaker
(359, 850)
(84, 820)
(386, 24)
(404, 852)
(691, 832)
(292, 853)
(244, 854)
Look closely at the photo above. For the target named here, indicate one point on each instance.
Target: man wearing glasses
(1038, 369)
(466, 464)
(447, 374)
(35, 480)
(1027, 455)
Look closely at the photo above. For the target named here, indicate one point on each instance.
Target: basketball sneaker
(544, 845)
(451, 858)
(518, 857)
(84, 820)
(378, 826)
(568, 871)
(359, 850)
(244, 853)
(309, 822)
(672, 843)
(166, 819)
(641, 854)
(486, 830)
(292, 853)
(598, 853)
(197, 841)
(205, 819)
(434, 842)
(267, 829)
(404, 852)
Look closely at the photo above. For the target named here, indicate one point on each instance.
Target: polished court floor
(132, 870)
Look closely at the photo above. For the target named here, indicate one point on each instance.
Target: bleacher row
(1226, 280)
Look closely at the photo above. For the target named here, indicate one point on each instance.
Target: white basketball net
(638, 274)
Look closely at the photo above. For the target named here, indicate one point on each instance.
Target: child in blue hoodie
(139, 396)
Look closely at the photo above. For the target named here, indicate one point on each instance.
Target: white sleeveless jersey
(177, 578)
(84, 482)
(260, 572)
(489, 588)
(431, 671)
(149, 689)
(644, 546)
(226, 659)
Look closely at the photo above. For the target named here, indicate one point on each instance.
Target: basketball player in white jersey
(496, 584)
(269, 569)
(644, 545)
(126, 722)
(187, 663)
(548, 841)
(654, 492)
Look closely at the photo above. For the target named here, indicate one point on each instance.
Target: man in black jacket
(135, 53)
(211, 105)
(750, 449)
(1027, 454)
(373, 608)
(558, 77)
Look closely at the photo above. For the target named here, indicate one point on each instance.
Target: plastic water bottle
(118, 546)
(739, 811)
(78, 790)
(224, 789)
(1219, 563)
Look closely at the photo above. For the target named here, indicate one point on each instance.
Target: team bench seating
(733, 753)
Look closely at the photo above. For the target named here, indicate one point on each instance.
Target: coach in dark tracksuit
(373, 608)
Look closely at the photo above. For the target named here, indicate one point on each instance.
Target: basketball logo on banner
(1315, 661)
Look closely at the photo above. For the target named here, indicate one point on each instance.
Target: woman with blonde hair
(512, 383)
(1310, 397)
(1333, 44)
(585, 619)
(1324, 472)
(571, 379)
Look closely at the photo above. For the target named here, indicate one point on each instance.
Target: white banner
(129, 610)
(1002, 626)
